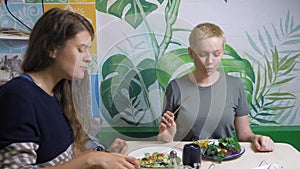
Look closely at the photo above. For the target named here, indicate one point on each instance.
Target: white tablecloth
(284, 155)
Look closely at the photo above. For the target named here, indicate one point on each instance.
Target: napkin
(269, 166)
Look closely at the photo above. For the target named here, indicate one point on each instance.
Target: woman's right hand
(99, 160)
(167, 127)
(105, 160)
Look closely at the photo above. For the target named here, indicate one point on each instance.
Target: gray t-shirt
(206, 112)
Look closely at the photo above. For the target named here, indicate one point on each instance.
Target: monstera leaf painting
(126, 86)
(136, 13)
(124, 82)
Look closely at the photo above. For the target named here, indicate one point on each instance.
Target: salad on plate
(157, 160)
(220, 149)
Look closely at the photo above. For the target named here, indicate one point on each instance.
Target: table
(284, 155)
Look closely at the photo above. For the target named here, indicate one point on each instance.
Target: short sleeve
(243, 108)
(172, 97)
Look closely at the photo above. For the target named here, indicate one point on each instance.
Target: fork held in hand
(177, 110)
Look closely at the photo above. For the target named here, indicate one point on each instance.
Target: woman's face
(207, 55)
(71, 61)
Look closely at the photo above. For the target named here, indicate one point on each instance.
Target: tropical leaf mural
(270, 104)
(136, 13)
(127, 86)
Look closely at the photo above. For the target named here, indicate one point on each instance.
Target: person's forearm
(246, 136)
(80, 162)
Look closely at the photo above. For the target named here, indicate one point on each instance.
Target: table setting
(190, 156)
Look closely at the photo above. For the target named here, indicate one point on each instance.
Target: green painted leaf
(262, 99)
(233, 65)
(266, 114)
(276, 107)
(171, 11)
(269, 71)
(287, 21)
(101, 5)
(231, 52)
(248, 84)
(147, 69)
(257, 103)
(292, 24)
(280, 98)
(266, 121)
(253, 44)
(275, 32)
(289, 51)
(269, 37)
(170, 62)
(281, 27)
(283, 59)
(257, 86)
(296, 29)
(270, 103)
(291, 42)
(138, 9)
(281, 94)
(117, 73)
(288, 70)
(295, 36)
(253, 107)
(262, 41)
(122, 81)
(288, 63)
(284, 81)
(275, 61)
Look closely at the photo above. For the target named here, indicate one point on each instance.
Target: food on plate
(219, 149)
(156, 160)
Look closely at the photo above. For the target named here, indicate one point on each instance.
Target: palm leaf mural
(285, 38)
(270, 104)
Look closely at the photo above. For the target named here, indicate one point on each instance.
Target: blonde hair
(203, 31)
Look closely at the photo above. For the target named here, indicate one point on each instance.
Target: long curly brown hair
(51, 32)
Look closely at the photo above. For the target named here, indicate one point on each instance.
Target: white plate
(140, 153)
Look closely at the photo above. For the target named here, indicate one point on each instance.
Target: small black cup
(191, 154)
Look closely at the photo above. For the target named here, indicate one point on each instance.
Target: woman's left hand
(263, 143)
(118, 146)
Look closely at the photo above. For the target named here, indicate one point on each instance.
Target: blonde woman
(212, 104)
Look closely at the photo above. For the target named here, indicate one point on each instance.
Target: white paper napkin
(269, 166)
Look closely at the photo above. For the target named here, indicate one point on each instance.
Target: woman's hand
(90, 159)
(167, 127)
(106, 160)
(263, 143)
(244, 133)
(118, 146)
